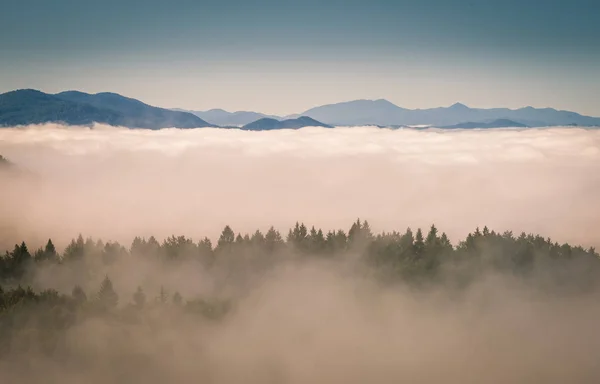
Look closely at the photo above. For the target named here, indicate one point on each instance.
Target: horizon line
(456, 104)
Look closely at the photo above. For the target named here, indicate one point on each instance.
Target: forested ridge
(35, 319)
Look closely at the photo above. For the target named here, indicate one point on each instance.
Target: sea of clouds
(117, 183)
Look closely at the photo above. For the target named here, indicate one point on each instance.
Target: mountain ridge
(135, 113)
(382, 112)
(30, 106)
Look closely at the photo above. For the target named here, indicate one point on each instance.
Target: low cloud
(118, 183)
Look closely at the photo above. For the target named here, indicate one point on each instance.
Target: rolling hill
(267, 124)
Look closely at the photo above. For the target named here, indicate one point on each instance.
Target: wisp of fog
(317, 320)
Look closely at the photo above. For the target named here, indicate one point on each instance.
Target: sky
(283, 57)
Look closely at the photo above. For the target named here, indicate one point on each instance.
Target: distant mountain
(225, 118)
(383, 113)
(500, 123)
(28, 106)
(134, 113)
(357, 112)
(267, 124)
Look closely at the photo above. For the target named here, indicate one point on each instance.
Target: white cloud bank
(116, 184)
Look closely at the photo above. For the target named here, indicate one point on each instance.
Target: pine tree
(48, 254)
(75, 250)
(19, 261)
(79, 295)
(366, 231)
(227, 237)
(258, 239)
(354, 230)
(419, 244)
(107, 296)
(138, 246)
(445, 242)
(432, 237)
(273, 240)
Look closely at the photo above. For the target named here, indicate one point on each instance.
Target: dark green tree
(107, 297)
(79, 295)
(227, 238)
(75, 250)
(273, 240)
(419, 244)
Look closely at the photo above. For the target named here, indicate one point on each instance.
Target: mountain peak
(458, 106)
(383, 101)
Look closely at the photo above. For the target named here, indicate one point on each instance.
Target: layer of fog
(318, 322)
(116, 184)
(314, 324)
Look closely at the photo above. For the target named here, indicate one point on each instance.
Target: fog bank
(116, 183)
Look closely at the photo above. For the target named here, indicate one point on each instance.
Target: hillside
(267, 124)
(28, 106)
(134, 113)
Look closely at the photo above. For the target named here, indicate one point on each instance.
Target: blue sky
(287, 56)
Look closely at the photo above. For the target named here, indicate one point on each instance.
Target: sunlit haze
(110, 182)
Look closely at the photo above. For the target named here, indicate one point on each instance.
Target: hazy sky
(287, 56)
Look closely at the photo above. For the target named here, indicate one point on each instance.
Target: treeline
(405, 255)
(408, 256)
(36, 321)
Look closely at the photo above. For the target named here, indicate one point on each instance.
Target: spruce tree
(107, 296)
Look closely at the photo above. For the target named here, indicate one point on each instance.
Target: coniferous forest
(100, 283)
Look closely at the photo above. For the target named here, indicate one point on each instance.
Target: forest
(37, 319)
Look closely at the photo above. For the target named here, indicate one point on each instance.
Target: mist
(307, 319)
(118, 183)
